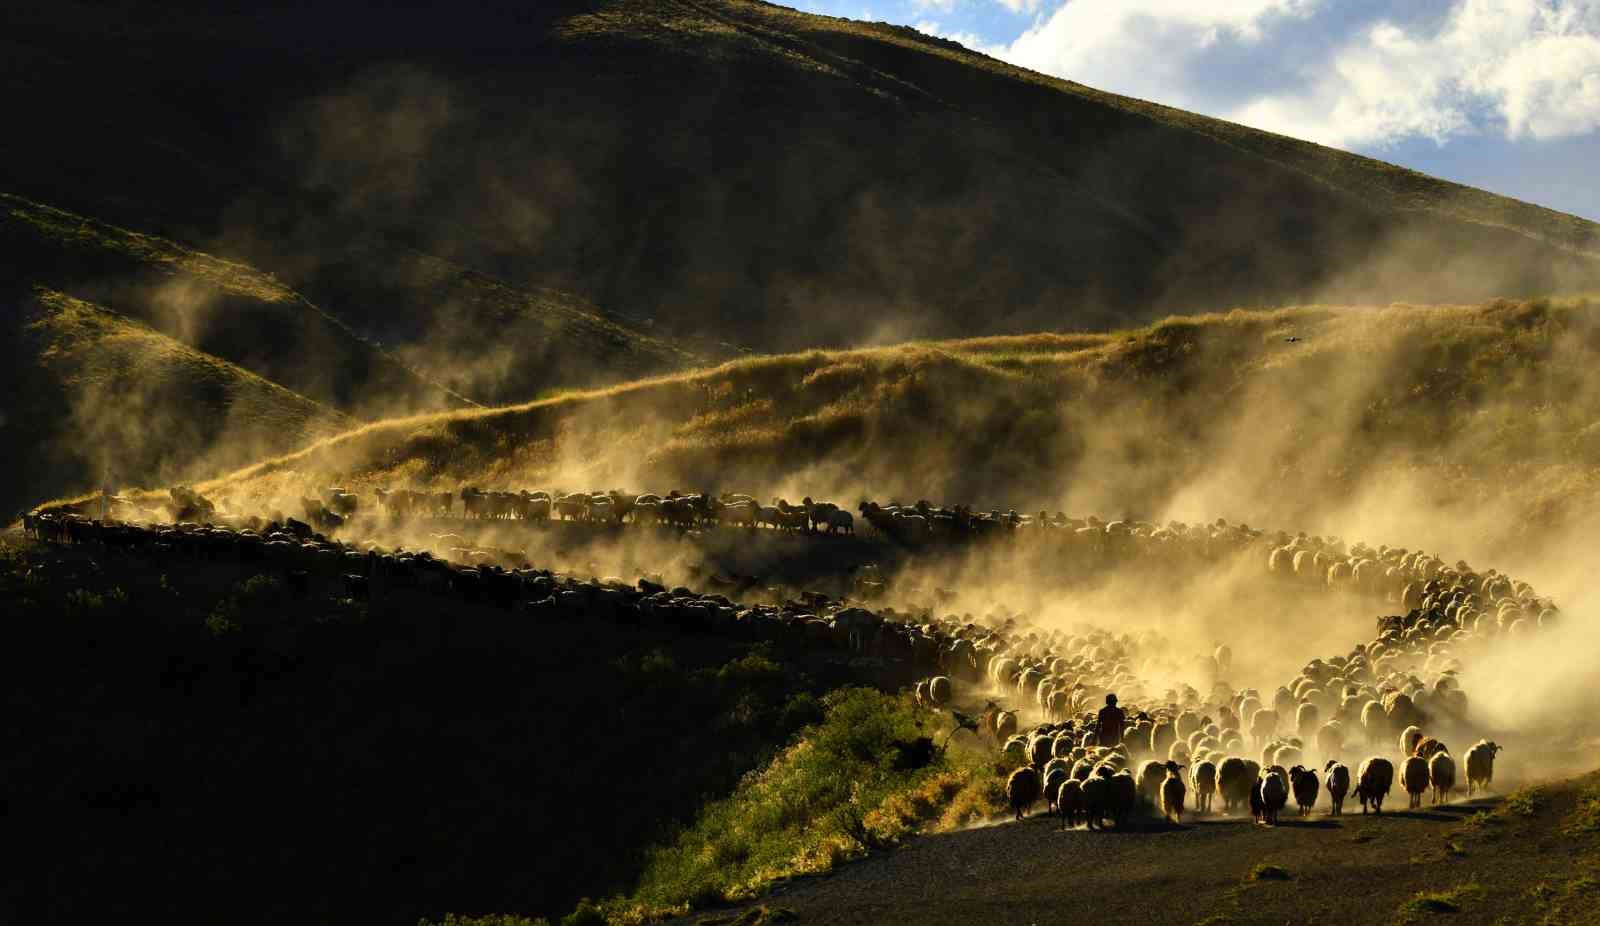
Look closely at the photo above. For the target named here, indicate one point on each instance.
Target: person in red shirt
(1108, 732)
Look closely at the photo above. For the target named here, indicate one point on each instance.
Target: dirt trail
(1349, 869)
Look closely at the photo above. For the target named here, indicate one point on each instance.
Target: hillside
(730, 169)
(1470, 428)
(101, 397)
(231, 310)
(486, 339)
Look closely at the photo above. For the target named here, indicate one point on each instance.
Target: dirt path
(1349, 869)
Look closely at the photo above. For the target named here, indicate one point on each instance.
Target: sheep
(1307, 719)
(1337, 778)
(1054, 778)
(1303, 782)
(1374, 721)
(1023, 789)
(1414, 776)
(1373, 781)
(1442, 776)
(1480, 765)
(1124, 795)
(939, 690)
(1069, 801)
(1205, 784)
(1162, 736)
(1428, 747)
(1095, 796)
(1236, 778)
(1272, 794)
(1041, 749)
(1330, 738)
(1264, 725)
(923, 700)
(1173, 793)
(1409, 737)
(1151, 773)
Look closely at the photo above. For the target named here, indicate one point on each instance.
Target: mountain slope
(102, 398)
(217, 306)
(485, 338)
(760, 176)
(1471, 428)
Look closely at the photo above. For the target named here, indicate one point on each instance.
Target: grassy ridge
(109, 398)
(222, 307)
(1278, 416)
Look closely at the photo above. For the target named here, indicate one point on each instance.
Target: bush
(834, 794)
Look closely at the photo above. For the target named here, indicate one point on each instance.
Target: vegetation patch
(844, 788)
(1523, 802)
(1426, 903)
(1585, 817)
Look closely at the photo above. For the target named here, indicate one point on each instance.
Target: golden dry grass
(1484, 413)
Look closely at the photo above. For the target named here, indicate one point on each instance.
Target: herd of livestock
(1392, 700)
(1168, 746)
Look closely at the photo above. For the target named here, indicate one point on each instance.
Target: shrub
(834, 794)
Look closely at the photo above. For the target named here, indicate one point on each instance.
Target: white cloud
(937, 6)
(1335, 73)
(969, 39)
(1147, 48)
(1021, 6)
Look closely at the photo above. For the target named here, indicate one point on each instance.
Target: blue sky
(1499, 94)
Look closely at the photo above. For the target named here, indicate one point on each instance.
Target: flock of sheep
(1257, 749)
(1178, 744)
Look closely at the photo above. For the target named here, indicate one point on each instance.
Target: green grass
(834, 795)
(1585, 816)
(1426, 903)
(1523, 802)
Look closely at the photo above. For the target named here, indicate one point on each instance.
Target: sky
(1499, 94)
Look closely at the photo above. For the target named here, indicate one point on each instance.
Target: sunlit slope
(1460, 426)
(225, 308)
(748, 174)
(105, 399)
